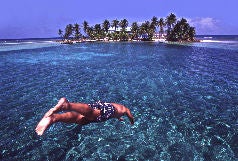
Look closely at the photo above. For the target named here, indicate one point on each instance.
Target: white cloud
(207, 22)
(205, 25)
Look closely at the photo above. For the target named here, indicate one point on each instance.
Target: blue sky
(43, 18)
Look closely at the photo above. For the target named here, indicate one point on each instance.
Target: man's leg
(61, 105)
(68, 117)
(84, 109)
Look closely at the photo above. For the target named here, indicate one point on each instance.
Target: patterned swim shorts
(107, 110)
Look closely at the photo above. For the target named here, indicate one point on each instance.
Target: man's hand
(120, 119)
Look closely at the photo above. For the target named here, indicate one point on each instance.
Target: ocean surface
(184, 98)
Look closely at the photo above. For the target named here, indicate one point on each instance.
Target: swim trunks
(107, 110)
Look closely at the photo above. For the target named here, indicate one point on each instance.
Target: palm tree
(154, 23)
(98, 31)
(106, 25)
(115, 36)
(182, 31)
(115, 24)
(170, 21)
(184, 28)
(161, 25)
(68, 31)
(85, 27)
(77, 33)
(90, 32)
(191, 34)
(123, 34)
(123, 24)
(134, 30)
(60, 32)
(145, 31)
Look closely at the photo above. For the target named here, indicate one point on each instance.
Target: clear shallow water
(15, 45)
(184, 100)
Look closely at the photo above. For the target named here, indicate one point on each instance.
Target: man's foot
(43, 125)
(61, 105)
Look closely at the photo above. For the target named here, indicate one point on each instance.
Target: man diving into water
(82, 114)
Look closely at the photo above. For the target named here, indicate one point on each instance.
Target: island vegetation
(163, 29)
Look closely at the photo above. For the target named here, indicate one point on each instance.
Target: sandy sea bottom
(184, 100)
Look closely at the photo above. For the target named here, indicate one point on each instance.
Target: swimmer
(82, 114)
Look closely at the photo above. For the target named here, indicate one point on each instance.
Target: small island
(167, 29)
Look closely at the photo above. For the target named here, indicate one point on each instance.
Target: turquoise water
(184, 99)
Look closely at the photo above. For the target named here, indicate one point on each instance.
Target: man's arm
(129, 115)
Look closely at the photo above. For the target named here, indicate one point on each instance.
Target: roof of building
(119, 29)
